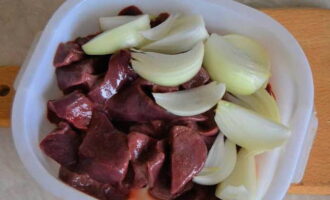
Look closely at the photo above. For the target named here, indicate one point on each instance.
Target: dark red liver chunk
(83, 40)
(74, 108)
(84, 183)
(199, 79)
(118, 75)
(133, 104)
(204, 123)
(100, 123)
(163, 89)
(199, 192)
(139, 144)
(162, 187)
(155, 162)
(62, 145)
(208, 127)
(131, 10)
(68, 53)
(155, 128)
(105, 151)
(76, 76)
(270, 90)
(188, 155)
(159, 19)
(148, 156)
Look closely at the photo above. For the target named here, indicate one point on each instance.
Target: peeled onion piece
(161, 30)
(242, 182)
(124, 36)
(219, 164)
(249, 129)
(239, 62)
(107, 23)
(168, 70)
(261, 102)
(193, 101)
(185, 33)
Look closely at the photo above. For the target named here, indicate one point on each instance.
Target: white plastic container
(291, 81)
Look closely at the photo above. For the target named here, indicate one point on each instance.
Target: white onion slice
(193, 101)
(168, 70)
(261, 102)
(239, 62)
(124, 36)
(248, 129)
(242, 182)
(219, 164)
(161, 30)
(185, 33)
(107, 23)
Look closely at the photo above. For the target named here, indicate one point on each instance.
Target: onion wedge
(242, 182)
(107, 23)
(124, 36)
(161, 30)
(238, 61)
(168, 70)
(261, 102)
(184, 35)
(193, 101)
(219, 164)
(249, 129)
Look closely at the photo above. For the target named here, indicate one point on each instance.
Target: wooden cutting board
(311, 27)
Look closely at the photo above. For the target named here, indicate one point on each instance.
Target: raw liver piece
(159, 19)
(208, 127)
(162, 188)
(155, 162)
(188, 155)
(163, 89)
(84, 183)
(118, 75)
(133, 104)
(62, 145)
(68, 53)
(199, 79)
(140, 179)
(148, 156)
(130, 10)
(139, 144)
(76, 76)
(199, 192)
(74, 108)
(155, 128)
(100, 123)
(83, 40)
(204, 123)
(105, 151)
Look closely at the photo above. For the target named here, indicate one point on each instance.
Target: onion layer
(248, 129)
(124, 36)
(239, 62)
(168, 70)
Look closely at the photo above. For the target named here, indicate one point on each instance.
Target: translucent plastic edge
(22, 84)
(306, 149)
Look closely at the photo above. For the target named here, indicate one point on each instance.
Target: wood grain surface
(311, 27)
(7, 77)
